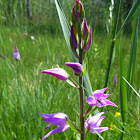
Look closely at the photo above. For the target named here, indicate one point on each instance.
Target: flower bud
(73, 38)
(85, 30)
(77, 67)
(58, 73)
(89, 42)
(80, 7)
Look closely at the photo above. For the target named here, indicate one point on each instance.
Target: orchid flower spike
(115, 81)
(58, 73)
(93, 123)
(16, 54)
(77, 67)
(58, 119)
(99, 98)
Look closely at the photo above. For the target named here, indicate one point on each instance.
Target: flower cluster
(80, 31)
(92, 123)
(81, 39)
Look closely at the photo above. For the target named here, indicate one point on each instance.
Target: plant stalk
(81, 92)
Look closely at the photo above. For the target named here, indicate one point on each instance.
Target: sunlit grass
(21, 99)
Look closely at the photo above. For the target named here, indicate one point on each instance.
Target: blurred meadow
(35, 28)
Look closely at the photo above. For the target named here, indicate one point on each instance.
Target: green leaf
(70, 83)
(73, 126)
(85, 68)
(133, 51)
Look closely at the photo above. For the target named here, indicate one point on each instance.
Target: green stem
(81, 91)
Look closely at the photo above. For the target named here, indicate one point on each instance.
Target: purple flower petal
(91, 100)
(77, 67)
(99, 129)
(16, 54)
(109, 103)
(57, 72)
(58, 119)
(59, 129)
(89, 43)
(99, 99)
(55, 118)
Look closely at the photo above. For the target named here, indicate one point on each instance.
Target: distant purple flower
(58, 73)
(77, 67)
(58, 119)
(99, 98)
(16, 54)
(93, 123)
(85, 29)
(115, 81)
(73, 38)
(89, 43)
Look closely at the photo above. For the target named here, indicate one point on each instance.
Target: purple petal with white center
(93, 120)
(58, 73)
(89, 42)
(77, 67)
(57, 130)
(93, 123)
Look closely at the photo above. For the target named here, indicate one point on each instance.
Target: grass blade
(132, 87)
(130, 14)
(133, 50)
(123, 91)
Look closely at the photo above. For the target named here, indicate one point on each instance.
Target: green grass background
(24, 91)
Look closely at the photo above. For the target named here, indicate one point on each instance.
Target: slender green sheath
(113, 41)
(123, 91)
(133, 52)
(81, 92)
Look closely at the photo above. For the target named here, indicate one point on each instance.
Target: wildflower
(117, 114)
(115, 81)
(89, 42)
(73, 38)
(58, 119)
(16, 54)
(85, 29)
(32, 38)
(58, 73)
(112, 126)
(77, 67)
(99, 99)
(93, 123)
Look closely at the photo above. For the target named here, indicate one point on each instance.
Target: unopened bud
(73, 38)
(89, 42)
(85, 30)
